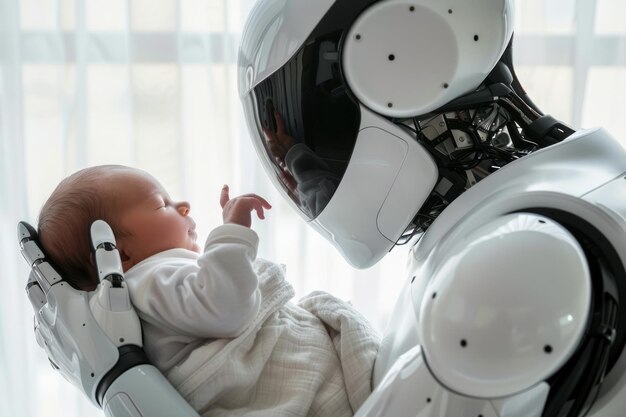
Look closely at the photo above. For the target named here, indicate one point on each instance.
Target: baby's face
(155, 222)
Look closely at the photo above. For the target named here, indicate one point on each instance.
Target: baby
(216, 321)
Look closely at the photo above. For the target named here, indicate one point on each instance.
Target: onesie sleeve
(217, 297)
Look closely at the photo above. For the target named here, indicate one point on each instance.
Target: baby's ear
(126, 261)
(92, 263)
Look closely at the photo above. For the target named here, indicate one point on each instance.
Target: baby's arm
(230, 284)
(218, 296)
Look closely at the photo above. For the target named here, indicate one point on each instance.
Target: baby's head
(143, 217)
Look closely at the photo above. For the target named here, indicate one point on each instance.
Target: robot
(385, 122)
(389, 122)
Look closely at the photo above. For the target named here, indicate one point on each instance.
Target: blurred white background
(151, 83)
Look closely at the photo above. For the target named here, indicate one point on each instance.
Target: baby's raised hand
(238, 209)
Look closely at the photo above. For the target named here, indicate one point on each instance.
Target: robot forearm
(143, 391)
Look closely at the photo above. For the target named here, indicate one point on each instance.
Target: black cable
(609, 322)
(454, 166)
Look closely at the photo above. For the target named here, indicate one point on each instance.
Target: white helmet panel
(371, 206)
(274, 31)
(404, 58)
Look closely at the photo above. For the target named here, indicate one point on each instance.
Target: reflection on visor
(309, 124)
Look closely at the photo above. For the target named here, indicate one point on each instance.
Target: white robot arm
(94, 339)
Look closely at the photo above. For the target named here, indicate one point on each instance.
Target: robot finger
(46, 317)
(39, 337)
(36, 295)
(54, 365)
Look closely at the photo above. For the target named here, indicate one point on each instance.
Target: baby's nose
(184, 207)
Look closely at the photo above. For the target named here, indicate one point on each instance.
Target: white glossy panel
(440, 50)
(274, 31)
(507, 308)
(409, 389)
(416, 179)
(392, 67)
(156, 398)
(350, 216)
(112, 309)
(74, 340)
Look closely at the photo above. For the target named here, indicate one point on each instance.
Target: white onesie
(221, 328)
(185, 299)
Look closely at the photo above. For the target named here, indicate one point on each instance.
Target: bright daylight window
(571, 58)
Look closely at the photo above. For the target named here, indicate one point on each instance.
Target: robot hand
(64, 324)
(94, 339)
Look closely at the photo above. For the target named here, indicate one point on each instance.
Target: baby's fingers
(259, 212)
(257, 204)
(254, 203)
(258, 198)
(224, 196)
(264, 202)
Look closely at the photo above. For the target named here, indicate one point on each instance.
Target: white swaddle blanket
(311, 359)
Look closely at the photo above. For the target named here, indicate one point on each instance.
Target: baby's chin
(196, 248)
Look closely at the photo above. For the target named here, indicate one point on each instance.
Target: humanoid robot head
(371, 117)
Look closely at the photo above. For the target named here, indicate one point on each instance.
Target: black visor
(310, 122)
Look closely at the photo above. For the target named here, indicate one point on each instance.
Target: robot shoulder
(507, 308)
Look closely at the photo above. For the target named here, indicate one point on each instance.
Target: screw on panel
(391, 57)
(463, 342)
(449, 11)
(542, 221)
(434, 295)
(412, 279)
(547, 349)
(445, 85)
(358, 37)
(412, 8)
(389, 104)
(476, 38)
(428, 399)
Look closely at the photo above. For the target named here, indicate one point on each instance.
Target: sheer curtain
(152, 84)
(571, 57)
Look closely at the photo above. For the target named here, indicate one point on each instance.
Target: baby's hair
(66, 217)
